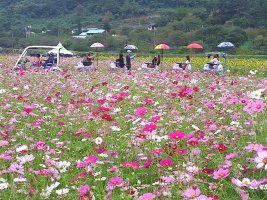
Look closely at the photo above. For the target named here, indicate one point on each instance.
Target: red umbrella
(194, 46)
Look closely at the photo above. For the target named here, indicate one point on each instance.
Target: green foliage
(208, 21)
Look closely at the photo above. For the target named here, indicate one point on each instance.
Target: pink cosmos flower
(165, 162)
(147, 196)
(3, 143)
(248, 107)
(176, 135)
(244, 195)
(150, 127)
(210, 104)
(26, 158)
(253, 147)
(221, 173)
(155, 118)
(115, 181)
(83, 190)
(191, 193)
(40, 146)
(230, 156)
(141, 112)
(5, 156)
(212, 127)
(91, 159)
(38, 123)
(147, 163)
(258, 106)
(113, 169)
(181, 151)
(261, 160)
(244, 100)
(157, 152)
(133, 165)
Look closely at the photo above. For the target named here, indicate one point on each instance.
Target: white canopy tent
(62, 50)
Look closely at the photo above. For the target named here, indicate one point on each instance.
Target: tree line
(178, 22)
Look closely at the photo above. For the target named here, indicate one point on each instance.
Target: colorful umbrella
(162, 47)
(130, 46)
(97, 45)
(194, 46)
(226, 45)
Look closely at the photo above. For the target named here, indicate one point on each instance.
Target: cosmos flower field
(112, 135)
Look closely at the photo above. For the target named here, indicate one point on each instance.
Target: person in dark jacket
(129, 57)
(120, 61)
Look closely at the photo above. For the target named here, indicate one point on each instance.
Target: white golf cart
(52, 64)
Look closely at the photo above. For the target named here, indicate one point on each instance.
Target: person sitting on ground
(187, 64)
(88, 60)
(214, 60)
(37, 62)
(120, 61)
(49, 62)
(153, 63)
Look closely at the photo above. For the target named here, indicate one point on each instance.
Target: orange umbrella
(194, 46)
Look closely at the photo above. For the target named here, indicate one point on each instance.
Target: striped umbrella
(162, 47)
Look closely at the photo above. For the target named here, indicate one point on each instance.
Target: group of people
(39, 62)
(213, 64)
(120, 61)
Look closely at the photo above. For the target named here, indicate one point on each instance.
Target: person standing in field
(129, 57)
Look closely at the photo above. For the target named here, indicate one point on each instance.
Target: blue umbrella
(226, 45)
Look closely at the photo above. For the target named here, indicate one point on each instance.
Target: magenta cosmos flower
(141, 112)
(221, 173)
(176, 135)
(150, 127)
(83, 190)
(147, 196)
(40, 146)
(261, 160)
(166, 162)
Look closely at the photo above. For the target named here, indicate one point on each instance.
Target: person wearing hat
(129, 57)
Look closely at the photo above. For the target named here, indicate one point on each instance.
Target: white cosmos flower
(103, 155)
(117, 110)
(115, 128)
(2, 91)
(21, 148)
(256, 94)
(98, 140)
(2, 180)
(4, 186)
(62, 191)
(20, 179)
(195, 127)
(62, 166)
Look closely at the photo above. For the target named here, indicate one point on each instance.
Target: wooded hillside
(178, 22)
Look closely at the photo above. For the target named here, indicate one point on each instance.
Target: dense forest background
(177, 22)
